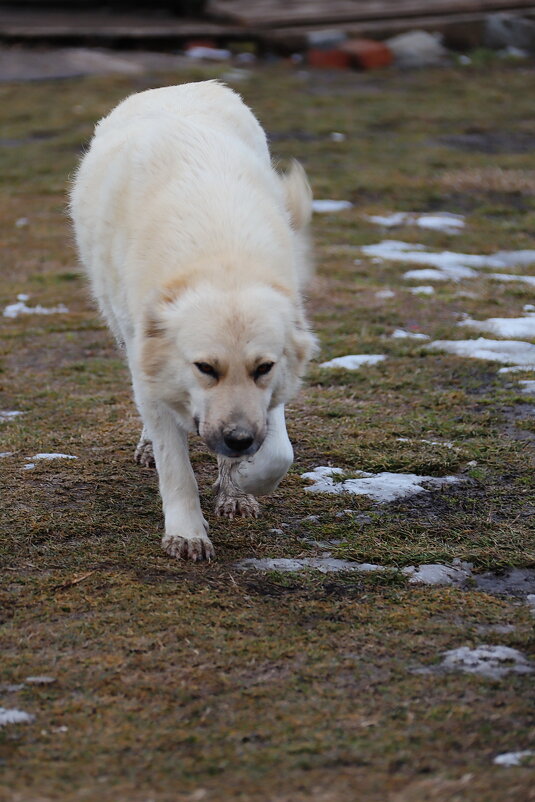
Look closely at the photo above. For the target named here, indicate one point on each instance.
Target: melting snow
(20, 308)
(330, 205)
(488, 661)
(449, 265)
(379, 486)
(6, 415)
(353, 361)
(441, 221)
(385, 294)
(5, 454)
(504, 326)
(431, 274)
(438, 574)
(399, 251)
(14, 717)
(444, 443)
(52, 456)
(513, 758)
(508, 277)
(324, 564)
(516, 352)
(528, 386)
(399, 334)
(516, 258)
(40, 679)
(424, 290)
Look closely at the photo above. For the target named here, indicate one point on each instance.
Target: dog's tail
(298, 196)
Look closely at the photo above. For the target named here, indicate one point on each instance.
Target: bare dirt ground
(214, 682)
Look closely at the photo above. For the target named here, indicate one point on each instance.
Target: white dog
(196, 250)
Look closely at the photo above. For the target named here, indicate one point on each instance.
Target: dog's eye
(207, 369)
(262, 369)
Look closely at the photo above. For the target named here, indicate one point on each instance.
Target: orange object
(367, 54)
(329, 59)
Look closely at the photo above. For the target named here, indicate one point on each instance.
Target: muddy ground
(174, 681)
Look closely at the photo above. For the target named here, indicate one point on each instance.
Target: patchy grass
(194, 682)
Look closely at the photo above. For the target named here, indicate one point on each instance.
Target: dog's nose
(238, 440)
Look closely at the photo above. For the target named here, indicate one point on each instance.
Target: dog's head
(221, 358)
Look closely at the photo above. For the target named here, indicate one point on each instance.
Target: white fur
(196, 251)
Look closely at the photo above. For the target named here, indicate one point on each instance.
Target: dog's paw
(242, 506)
(184, 548)
(144, 455)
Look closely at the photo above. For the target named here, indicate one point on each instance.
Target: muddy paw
(243, 506)
(183, 548)
(144, 454)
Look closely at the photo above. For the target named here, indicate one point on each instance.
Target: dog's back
(179, 180)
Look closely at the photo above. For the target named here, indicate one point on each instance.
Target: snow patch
(427, 274)
(441, 221)
(399, 251)
(438, 574)
(530, 601)
(323, 206)
(400, 334)
(488, 661)
(7, 415)
(40, 679)
(52, 456)
(5, 454)
(353, 361)
(514, 352)
(325, 565)
(527, 386)
(14, 716)
(384, 293)
(516, 258)
(381, 487)
(521, 327)
(19, 308)
(510, 759)
(508, 277)
(423, 290)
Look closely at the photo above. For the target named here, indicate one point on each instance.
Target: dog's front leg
(240, 481)
(185, 528)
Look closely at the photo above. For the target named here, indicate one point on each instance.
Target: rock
(509, 30)
(326, 39)
(417, 49)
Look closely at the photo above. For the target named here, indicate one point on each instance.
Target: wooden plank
(278, 13)
(67, 26)
(462, 31)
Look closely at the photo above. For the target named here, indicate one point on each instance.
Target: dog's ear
(298, 196)
(302, 346)
(153, 325)
(158, 305)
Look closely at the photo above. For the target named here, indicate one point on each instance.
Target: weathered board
(278, 13)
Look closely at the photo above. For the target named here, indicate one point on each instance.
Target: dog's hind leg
(240, 482)
(144, 453)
